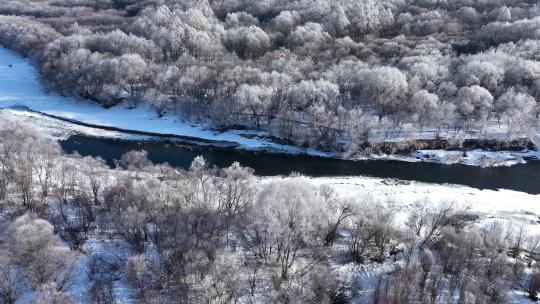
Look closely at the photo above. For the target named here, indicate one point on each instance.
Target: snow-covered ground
(511, 208)
(504, 205)
(59, 129)
(23, 96)
(20, 86)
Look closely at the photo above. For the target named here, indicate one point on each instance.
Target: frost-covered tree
(285, 219)
(254, 100)
(25, 35)
(286, 21)
(481, 73)
(517, 109)
(34, 247)
(308, 38)
(369, 17)
(132, 72)
(248, 42)
(236, 193)
(474, 102)
(425, 105)
(385, 88)
(371, 227)
(337, 22)
(309, 92)
(134, 160)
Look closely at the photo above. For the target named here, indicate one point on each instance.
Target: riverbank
(521, 177)
(23, 96)
(477, 209)
(61, 128)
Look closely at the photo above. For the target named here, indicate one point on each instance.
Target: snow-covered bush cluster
(208, 235)
(325, 73)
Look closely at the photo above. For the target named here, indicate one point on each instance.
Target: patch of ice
(477, 157)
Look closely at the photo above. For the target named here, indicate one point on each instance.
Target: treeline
(328, 74)
(208, 235)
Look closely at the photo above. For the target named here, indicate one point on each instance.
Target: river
(20, 86)
(525, 177)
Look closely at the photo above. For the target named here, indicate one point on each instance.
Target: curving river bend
(20, 86)
(524, 177)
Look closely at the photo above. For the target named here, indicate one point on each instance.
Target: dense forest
(73, 230)
(338, 75)
(331, 74)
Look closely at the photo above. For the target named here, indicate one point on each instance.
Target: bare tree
(532, 284)
(45, 156)
(49, 293)
(132, 227)
(236, 193)
(10, 283)
(95, 171)
(283, 222)
(74, 220)
(339, 212)
(66, 180)
(435, 221)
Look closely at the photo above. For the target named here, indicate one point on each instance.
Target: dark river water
(519, 177)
